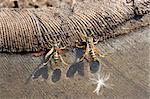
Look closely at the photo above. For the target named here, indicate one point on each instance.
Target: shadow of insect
(43, 71)
(54, 58)
(40, 70)
(77, 66)
(56, 75)
(86, 50)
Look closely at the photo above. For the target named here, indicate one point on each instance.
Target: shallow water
(127, 64)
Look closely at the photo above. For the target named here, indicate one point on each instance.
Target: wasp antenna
(83, 37)
(59, 42)
(88, 32)
(92, 33)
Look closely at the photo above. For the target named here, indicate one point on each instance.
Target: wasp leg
(60, 51)
(37, 54)
(88, 59)
(86, 52)
(62, 48)
(50, 67)
(96, 41)
(100, 55)
(98, 52)
(63, 61)
(79, 46)
(83, 37)
(49, 53)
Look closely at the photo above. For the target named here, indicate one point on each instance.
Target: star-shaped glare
(100, 81)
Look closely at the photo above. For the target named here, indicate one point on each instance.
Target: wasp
(53, 56)
(91, 50)
(88, 45)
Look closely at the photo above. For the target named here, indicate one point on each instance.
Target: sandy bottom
(128, 64)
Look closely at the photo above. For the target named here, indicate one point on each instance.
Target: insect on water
(91, 52)
(53, 56)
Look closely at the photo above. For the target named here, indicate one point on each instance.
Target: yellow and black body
(54, 55)
(91, 53)
(89, 47)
